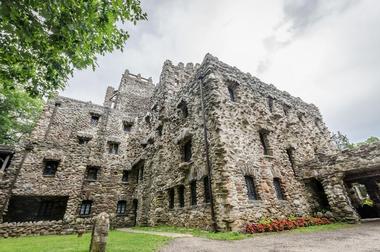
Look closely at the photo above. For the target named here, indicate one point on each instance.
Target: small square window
(94, 119)
(50, 167)
(113, 148)
(83, 140)
(121, 207)
(125, 176)
(127, 126)
(92, 173)
(85, 208)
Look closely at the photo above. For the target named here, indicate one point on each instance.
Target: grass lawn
(117, 242)
(237, 235)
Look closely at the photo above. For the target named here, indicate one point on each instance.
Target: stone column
(100, 233)
(338, 198)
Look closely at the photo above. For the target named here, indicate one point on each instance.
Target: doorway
(135, 207)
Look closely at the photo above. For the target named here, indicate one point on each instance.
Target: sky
(327, 52)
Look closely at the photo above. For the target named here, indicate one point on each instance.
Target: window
(113, 148)
(186, 156)
(181, 195)
(127, 126)
(301, 117)
(171, 198)
(138, 170)
(270, 104)
(121, 207)
(317, 123)
(264, 141)
(45, 210)
(85, 208)
(278, 189)
(124, 178)
(159, 130)
(83, 140)
(193, 190)
(92, 173)
(251, 188)
(286, 109)
(231, 92)
(147, 119)
(290, 153)
(141, 173)
(50, 167)
(183, 109)
(57, 104)
(94, 119)
(206, 184)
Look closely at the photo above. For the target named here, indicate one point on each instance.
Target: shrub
(269, 225)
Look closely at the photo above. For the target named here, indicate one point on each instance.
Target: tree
(371, 139)
(43, 41)
(342, 141)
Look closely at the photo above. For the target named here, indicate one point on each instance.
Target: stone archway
(364, 192)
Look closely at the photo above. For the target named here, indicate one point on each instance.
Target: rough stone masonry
(143, 157)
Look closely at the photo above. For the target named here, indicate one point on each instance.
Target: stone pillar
(100, 233)
(338, 198)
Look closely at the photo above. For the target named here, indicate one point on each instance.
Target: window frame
(251, 188)
(193, 193)
(207, 192)
(280, 194)
(187, 152)
(89, 171)
(125, 176)
(85, 208)
(111, 148)
(121, 207)
(181, 195)
(171, 198)
(53, 171)
(94, 119)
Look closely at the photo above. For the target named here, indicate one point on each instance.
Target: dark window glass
(251, 188)
(181, 195)
(206, 185)
(270, 104)
(113, 148)
(50, 167)
(92, 173)
(231, 92)
(121, 207)
(46, 209)
(264, 142)
(278, 189)
(159, 130)
(184, 110)
(141, 173)
(83, 140)
(127, 126)
(125, 176)
(94, 120)
(187, 151)
(85, 207)
(171, 198)
(193, 190)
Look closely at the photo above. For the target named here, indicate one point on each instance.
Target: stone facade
(143, 158)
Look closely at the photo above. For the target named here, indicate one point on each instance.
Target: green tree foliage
(342, 141)
(43, 41)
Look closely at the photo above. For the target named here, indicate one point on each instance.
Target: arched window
(251, 188)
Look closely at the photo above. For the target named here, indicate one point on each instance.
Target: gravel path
(361, 237)
(172, 235)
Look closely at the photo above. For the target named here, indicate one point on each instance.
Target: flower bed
(285, 224)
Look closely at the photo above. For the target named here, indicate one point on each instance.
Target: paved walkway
(362, 237)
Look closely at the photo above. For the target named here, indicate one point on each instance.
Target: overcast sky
(325, 51)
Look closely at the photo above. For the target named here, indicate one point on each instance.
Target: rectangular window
(193, 190)
(159, 130)
(264, 142)
(171, 198)
(206, 184)
(231, 92)
(121, 207)
(92, 173)
(113, 148)
(94, 119)
(251, 188)
(50, 167)
(270, 104)
(85, 208)
(181, 195)
(278, 189)
(46, 209)
(187, 151)
(125, 176)
(141, 173)
(183, 109)
(127, 126)
(83, 140)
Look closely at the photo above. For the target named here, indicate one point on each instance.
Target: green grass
(117, 242)
(197, 232)
(237, 235)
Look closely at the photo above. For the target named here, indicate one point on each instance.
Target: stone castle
(209, 146)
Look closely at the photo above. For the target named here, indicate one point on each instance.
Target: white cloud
(325, 52)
